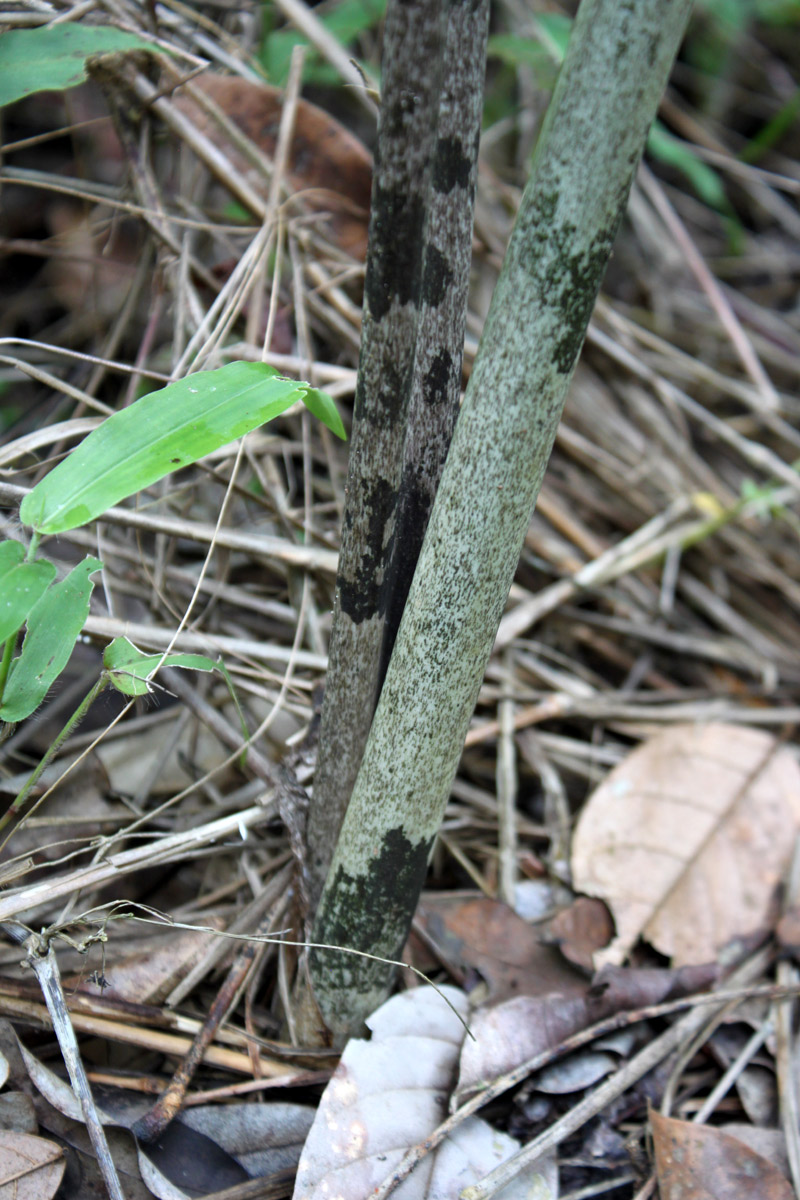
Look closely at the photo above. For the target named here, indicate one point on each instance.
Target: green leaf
(54, 625)
(130, 670)
(21, 585)
(161, 432)
(321, 406)
(50, 58)
(11, 555)
(703, 178)
(346, 21)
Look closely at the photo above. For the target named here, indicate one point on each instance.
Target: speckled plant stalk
(617, 65)
(409, 378)
(411, 77)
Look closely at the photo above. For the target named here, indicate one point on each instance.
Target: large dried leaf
(687, 839)
(330, 167)
(699, 1162)
(30, 1167)
(508, 1034)
(476, 934)
(390, 1093)
(264, 1138)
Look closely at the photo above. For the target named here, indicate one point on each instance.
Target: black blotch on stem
(451, 166)
(396, 230)
(436, 384)
(360, 596)
(376, 903)
(437, 276)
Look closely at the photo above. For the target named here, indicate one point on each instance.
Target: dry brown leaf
(581, 930)
(687, 839)
(326, 161)
(145, 969)
(699, 1162)
(508, 1034)
(474, 933)
(31, 1168)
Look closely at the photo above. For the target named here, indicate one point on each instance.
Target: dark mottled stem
(436, 386)
(412, 60)
(605, 99)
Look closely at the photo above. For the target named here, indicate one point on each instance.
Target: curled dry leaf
(326, 162)
(511, 1033)
(688, 838)
(581, 930)
(31, 1168)
(390, 1093)
(699, 1162)
(476, 934)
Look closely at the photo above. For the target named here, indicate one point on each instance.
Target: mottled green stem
(411, 77)
(605, 99)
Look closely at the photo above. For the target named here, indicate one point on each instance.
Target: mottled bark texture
(605, 99)
(408, 389)
(436, 382)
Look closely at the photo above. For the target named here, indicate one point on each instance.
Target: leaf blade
(54, 625)
(130, 670)
(51, 59)
(163, 431)
(321, 406)
(21, 587)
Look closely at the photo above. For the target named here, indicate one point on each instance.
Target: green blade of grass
(129, 670)
(49, 59)
(321, 406)
(54, 625)
(160, 433)
(21, 585)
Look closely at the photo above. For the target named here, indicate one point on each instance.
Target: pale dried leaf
(687, 839)
(31, 1167)
(390, 1093)
(508, 1034)
(511, 1033)
(145, 969)
(473, 1150)
(699, 1162)
(264, 1138)
(576, 1072)
(55, 1090)
(17, 1113)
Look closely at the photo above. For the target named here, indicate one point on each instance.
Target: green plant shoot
(160, 433)
(131, 450)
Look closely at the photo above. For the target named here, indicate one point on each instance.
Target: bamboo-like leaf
(130, 670)
(46, 59)
(54, 625)
(321, 406)
(160, 433)
(21, 585)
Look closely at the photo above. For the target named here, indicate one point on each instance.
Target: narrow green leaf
(703, 178)
(21, 585)
(48, 59)
(321, 406)
(160, 433)
(54, 625)
(345, 21)
(130, 670)
(11, 555)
